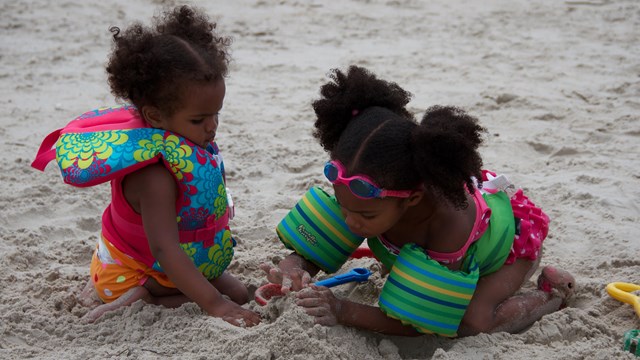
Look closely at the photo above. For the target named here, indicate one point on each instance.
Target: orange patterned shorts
(114, 273)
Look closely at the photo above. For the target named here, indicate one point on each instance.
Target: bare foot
(88, 296)
(126, 299)
(557, 281)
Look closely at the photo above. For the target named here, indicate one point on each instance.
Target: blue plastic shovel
(355, 274)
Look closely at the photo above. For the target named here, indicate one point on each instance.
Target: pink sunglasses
(359, 185)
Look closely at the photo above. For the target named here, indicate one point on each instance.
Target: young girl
(165, 236)
(458, 248)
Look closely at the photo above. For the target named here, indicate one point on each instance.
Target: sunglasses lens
(362, 188)
(331, 172)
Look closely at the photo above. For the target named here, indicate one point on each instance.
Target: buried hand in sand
(165, 236)
(459, 241)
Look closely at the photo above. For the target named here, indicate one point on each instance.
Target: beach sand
(557, 84)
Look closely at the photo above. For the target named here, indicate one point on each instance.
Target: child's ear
(415, 197)
(153, 116)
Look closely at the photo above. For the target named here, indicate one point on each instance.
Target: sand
(557, 83)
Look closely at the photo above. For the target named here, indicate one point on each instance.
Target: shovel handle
(622, 292)
(355, 274)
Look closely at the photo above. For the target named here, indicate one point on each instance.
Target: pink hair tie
(354, 112)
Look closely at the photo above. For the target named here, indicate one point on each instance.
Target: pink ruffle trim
(530, 232)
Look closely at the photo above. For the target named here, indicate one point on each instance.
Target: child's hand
(320, 303)
(289, 275)
(234, 314)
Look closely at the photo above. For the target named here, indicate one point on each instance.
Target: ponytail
(445, 147)
(347, 96)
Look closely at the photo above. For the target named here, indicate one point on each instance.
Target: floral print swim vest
(108, 143)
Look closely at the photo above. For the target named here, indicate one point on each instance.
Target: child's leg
(154, 293)
(162, 295)
(172, 297)
(120, 281)
(494, 307)
(232, 287)
(168, 297)
(125, 299)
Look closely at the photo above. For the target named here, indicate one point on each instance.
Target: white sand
(557, 83)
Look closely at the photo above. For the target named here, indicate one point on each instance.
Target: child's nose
(212, 124)
(352, 223)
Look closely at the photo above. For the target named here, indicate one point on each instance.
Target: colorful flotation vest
(108, 143)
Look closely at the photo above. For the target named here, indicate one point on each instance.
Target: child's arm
(320, 303)
(156, 197)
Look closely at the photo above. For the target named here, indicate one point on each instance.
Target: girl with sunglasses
(456, 239)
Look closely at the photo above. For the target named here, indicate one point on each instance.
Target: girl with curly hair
(459, 241)
(165, 237)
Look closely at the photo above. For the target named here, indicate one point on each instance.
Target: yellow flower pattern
(189, 249)
(84, 147)
(175, 154)
(220, 256)
(220, 204)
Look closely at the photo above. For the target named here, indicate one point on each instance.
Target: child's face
(197, 117)
(372, 217)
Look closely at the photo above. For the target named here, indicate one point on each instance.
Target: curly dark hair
(362, 122)
(446, 151)
(150, 65)
(354, 91)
